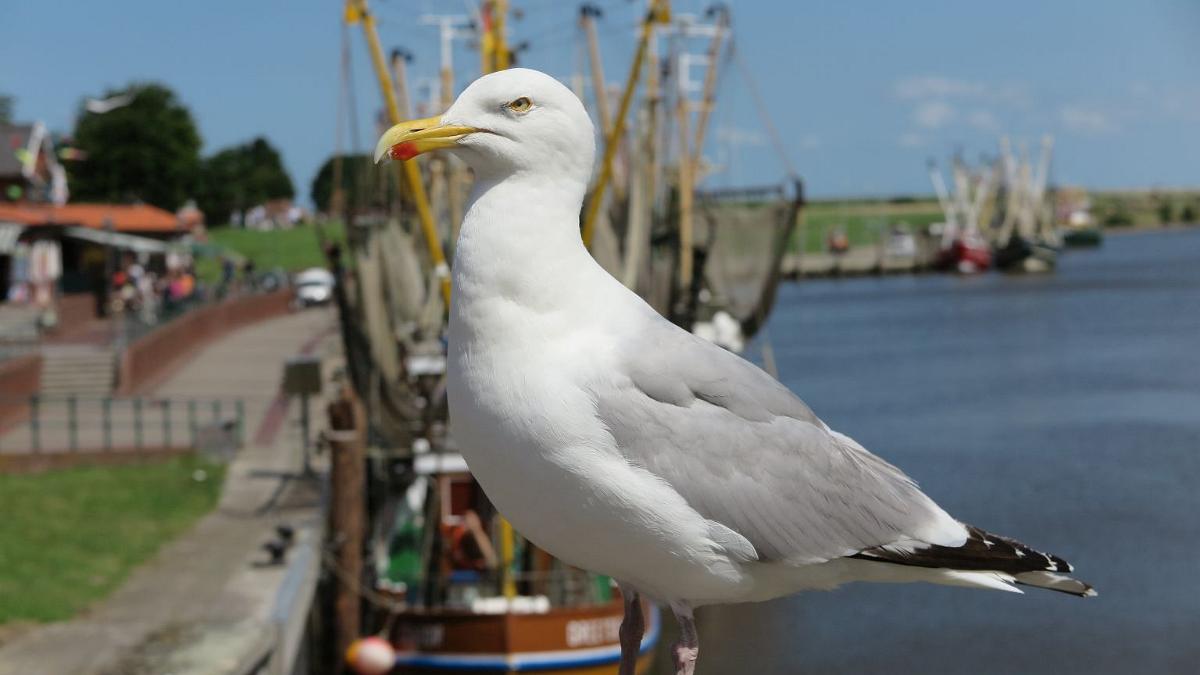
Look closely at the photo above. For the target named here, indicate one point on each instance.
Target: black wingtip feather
(982, 551)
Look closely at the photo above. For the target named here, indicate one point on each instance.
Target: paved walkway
(206, 596)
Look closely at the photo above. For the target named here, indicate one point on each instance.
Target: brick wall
(20, 377)
(153, 357)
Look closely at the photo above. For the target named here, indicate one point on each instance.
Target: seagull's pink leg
(632, 628)
(687, 650)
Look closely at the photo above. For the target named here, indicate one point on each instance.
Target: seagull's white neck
(520, 242)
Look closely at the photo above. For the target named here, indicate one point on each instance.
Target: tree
(363, 184)
(241, 177)
(1165, 212)
(6, 108)
(147, 150)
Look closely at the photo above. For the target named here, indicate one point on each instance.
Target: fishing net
(742, 238)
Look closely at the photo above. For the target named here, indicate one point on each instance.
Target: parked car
(314, 286)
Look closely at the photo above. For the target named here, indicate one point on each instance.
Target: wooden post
(685, 193)
(347, 516)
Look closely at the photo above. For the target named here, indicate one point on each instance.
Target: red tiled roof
(124, 217)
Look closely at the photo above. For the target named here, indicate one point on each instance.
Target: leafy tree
(241, 177)
(6, 108)
(364, 185)
(148, 150)
(1165, 212)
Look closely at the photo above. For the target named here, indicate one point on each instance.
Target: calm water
(1062, 410)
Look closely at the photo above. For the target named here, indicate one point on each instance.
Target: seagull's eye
(520, 105)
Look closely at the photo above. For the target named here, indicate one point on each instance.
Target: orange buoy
(371, 656)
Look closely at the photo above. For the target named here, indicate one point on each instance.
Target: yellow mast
(357, 12)
(493, 45)
(495, 56)
(659, 13)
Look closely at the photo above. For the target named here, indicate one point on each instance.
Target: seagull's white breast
(522, 415)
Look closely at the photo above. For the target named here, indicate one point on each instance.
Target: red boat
(966, 255)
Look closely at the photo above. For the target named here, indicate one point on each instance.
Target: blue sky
(863, 93)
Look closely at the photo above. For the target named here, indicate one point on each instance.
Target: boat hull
(562, 641)
(964, 257)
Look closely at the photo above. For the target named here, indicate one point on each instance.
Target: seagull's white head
(509, 122)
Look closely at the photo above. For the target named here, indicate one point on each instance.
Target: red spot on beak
(404, 151)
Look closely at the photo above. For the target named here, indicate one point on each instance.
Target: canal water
(1061, 410)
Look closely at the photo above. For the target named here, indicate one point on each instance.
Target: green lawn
(862, 221)
(69, 537)
(291, 250)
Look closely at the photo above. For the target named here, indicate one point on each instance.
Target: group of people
(134, 289)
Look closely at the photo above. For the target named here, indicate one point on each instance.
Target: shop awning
(118, 240)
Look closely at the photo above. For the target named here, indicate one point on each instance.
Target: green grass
(290, 250)
(862, 221)
(70, 537)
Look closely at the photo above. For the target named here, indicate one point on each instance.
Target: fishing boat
(965, 254)
(963, 248)
(457, 608)
(1076, 225)
(1026, 239)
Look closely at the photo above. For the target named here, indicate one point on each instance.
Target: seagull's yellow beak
(409, 139)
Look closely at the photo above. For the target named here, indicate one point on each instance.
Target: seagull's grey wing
(747, 453)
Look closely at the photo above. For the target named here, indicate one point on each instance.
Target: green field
(290, 250)
(70, 537)
(861, 220)
(1146, 208)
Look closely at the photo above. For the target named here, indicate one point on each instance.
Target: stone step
(70, 369)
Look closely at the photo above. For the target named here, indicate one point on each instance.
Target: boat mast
(659, 13)
(943, 197)
(357, 12)
(587, 20)
(495, 56)
(448, 174)
(721, 14)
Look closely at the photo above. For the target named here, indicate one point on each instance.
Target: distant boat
(1026, 239)
(965, 254)
(1076, 225)
(1025, 255)
(1083, 237)
(901, 244)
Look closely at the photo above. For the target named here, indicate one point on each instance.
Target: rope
(764, 116)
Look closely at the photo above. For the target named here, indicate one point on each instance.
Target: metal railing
(91, 422)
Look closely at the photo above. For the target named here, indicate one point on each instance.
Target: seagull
(619, 442)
